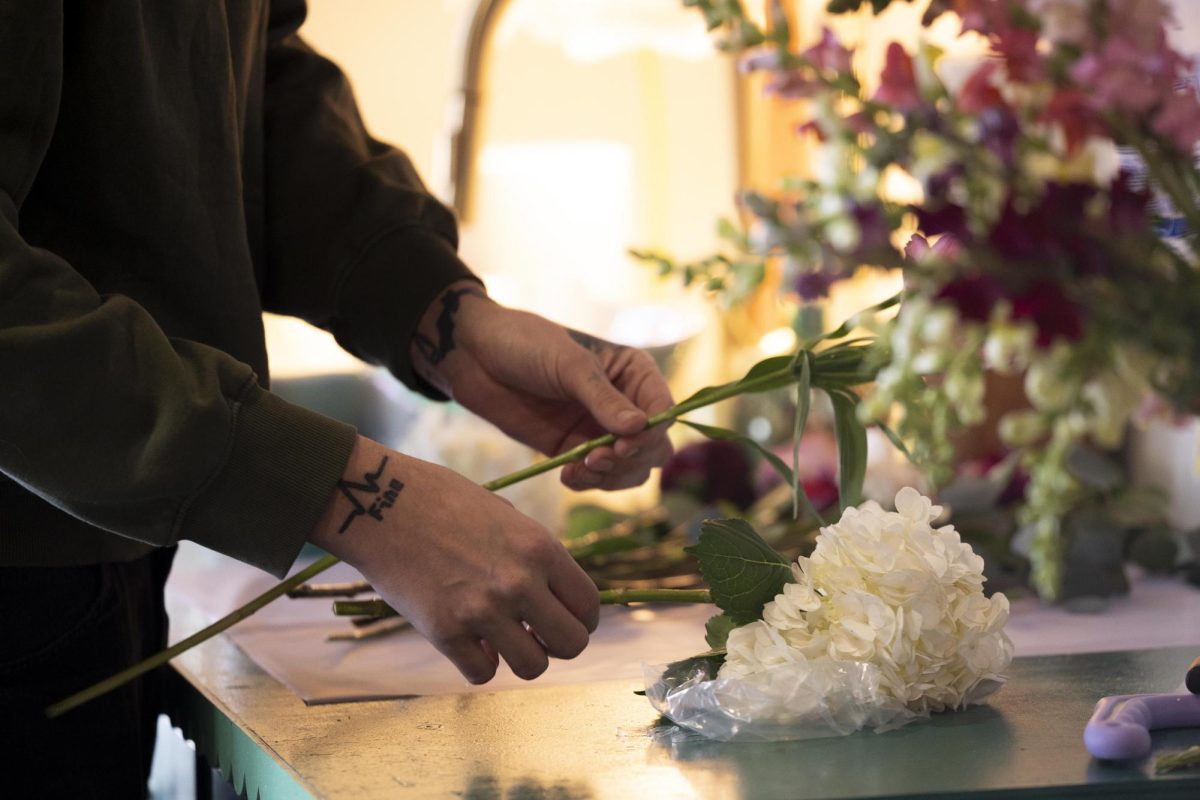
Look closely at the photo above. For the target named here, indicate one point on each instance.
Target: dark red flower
(1053, 314)
(1072, 110)
(1129, 207)
(711, 471)
(949, 219)
(822, 490)
(973, 295)
(1019, 46)
(980, 92)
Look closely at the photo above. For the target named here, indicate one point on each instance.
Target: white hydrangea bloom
(886, 602)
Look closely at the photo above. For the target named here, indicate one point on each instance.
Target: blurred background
(565, 133)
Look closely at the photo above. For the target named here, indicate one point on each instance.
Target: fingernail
(601, 465)
(629, 451)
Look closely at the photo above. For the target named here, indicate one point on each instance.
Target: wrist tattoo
(435, 352)
(589, 342)
(376, 498)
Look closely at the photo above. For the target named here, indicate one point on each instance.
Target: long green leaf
(852, 448)
(733, 436)
(843, 330)
(759, 370)
(743, 572)
(896, 441)
(803, 402)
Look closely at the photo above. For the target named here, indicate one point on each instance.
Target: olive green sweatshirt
(168, 170)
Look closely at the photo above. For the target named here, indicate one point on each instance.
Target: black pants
(63, 629)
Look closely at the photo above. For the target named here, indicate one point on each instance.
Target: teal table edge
(245, 761)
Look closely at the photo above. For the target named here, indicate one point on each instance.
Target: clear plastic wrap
(835, 699)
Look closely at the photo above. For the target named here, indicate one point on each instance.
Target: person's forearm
(364, 500)
(439, 333)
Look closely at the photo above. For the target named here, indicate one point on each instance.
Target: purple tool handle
(1120, 726)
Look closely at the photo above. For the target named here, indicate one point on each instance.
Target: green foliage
(852, 448)
(731, 278)
(716, 630)
(743, 572)
(586, 518)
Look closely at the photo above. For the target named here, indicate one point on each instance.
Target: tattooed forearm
(592, 343)
(370, 497)
(435, 352)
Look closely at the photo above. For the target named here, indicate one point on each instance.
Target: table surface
(601, 741)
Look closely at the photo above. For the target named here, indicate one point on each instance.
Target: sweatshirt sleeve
(354, 242)
(106, 417)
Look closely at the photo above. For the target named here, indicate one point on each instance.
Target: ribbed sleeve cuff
(284, 463)
(384, 296)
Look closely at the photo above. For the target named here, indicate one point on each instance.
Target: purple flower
(947, 248)
(874, 234)
(813, 285)
(828, 54)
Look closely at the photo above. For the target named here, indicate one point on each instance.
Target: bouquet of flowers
(1033, 174)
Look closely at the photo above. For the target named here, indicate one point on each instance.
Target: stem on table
(348, 589)
(724, 392)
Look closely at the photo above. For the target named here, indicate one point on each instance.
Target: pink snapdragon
(1179, 120)
(1122, 77)
(898, 84)
(828, 54)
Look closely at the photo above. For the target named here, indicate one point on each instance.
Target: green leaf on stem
(852, 448)
(764, 368)
(717, 629)
(743, 571)
(896, 441)
(843, 330)
(803, 403)
(727, 435)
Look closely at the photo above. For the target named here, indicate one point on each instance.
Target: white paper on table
(288, 640)
(287, 637)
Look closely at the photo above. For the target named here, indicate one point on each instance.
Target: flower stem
(759, 383)
(620, 597)
(163, 656)
(1185, 759)
(608, 597)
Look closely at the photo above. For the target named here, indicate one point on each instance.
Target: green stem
(608, 597)
(780, 377)
(619, 597)
(158, 659)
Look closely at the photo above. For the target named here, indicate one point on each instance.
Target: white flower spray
(888, 609)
